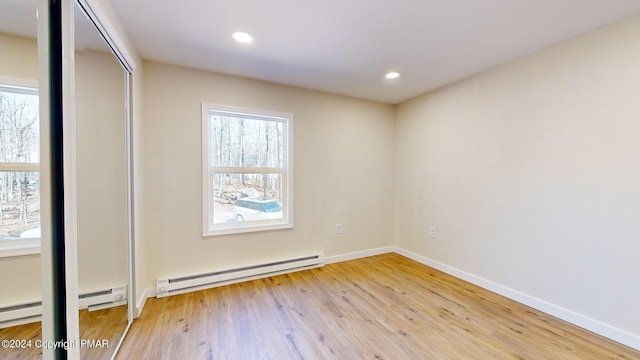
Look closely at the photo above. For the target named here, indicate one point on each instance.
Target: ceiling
(346, 46)
(18, 17)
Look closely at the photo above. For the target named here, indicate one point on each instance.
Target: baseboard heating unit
(183, 284)
(102, 299)
(20, 314)
(29, 312)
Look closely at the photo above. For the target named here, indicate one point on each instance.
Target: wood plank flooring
(108, 324)
(28, 332)
(381, 307)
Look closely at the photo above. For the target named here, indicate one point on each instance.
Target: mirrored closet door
(20, 229)
(97, 190)
(101, 178)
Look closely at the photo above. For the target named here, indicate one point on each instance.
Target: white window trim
(11, 248)
(287, 173)
(20, 247)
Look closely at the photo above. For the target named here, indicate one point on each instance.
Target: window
(247, 170)
(19, 171)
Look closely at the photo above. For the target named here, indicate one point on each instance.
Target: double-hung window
(246, 170)
(19, 171)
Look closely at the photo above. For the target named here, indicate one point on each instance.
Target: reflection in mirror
(101, 191)
(20, 280)
(100, 186)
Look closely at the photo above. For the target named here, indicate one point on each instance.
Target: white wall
(343, 172)
(19, 58)
(530, 174)
(20, 280)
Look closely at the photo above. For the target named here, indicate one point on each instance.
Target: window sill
(20, 248)
(231, 230)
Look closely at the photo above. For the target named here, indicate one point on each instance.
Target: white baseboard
(359, 254)
(582, 321)
(17, 322)
(148, 293)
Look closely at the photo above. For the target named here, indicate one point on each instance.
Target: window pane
(246, 197)
(19, 126)
(242, 142)
(246, 168)
(19, 205)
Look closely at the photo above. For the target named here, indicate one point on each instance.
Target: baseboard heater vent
(179, 285)
(14, 314)
(29, 312)
(103, 299)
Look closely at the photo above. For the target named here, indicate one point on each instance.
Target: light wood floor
(382, 307)
(108, 324)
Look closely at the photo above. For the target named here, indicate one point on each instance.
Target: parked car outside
(251, 209)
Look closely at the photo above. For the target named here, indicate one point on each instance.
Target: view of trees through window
(19, 163)
(247, 162)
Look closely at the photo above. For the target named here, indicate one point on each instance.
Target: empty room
(319, 180)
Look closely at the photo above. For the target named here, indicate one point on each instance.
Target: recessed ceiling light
(242, 37)
(392, 75)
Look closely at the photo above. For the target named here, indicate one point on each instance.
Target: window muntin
(246, 170)
(19, 167)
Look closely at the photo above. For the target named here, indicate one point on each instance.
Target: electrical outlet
(432, 231)
(338, 229)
